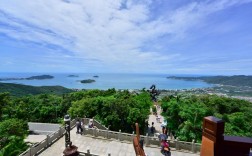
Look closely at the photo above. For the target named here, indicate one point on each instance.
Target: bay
(106, 81)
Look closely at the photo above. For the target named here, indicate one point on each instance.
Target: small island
(73, 76)
(87, 81)
(40, 77)
(96, 76)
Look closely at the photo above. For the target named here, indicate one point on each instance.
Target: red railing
(214, 143)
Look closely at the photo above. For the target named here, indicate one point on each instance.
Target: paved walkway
(43, 128)
(157, 123)
(153, 118)
(102, 147)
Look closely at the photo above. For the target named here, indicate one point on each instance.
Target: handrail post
(107, 133)
(93, 131)
(193, 146)
(119, 135)
(132, 137)
(60, 132)
(30, 151)
(177, 143)
(147, 140)
(47, 140)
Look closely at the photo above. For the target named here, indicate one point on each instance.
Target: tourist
(91, 124)
(165, 149)
(78, 126)
(81, 127)
(152, 129)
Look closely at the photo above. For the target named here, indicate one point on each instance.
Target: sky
(210, 37)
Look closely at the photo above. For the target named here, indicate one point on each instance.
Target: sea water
(106, 81)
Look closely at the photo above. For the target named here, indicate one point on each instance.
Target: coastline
(220, 90)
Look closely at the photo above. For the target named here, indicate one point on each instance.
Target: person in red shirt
(165, 149)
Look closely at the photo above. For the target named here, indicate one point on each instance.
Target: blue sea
(106, 81)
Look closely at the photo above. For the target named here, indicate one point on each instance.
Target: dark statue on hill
(154, 93)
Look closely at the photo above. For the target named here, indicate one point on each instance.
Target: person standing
(78, 126)
(152, 128)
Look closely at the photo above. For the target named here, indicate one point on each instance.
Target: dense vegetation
(15, 112)
(23, 90)
(236, 80)
(119, 109)
(12, 134)
(185, 115)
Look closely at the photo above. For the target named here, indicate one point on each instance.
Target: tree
(119, 109)
(12, 131)
(4, 101)
(185, 115)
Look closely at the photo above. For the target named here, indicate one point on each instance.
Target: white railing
(95, 122)
(50, 139)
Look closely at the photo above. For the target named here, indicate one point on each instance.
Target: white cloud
(113, 32)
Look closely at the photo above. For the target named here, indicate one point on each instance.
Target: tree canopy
(185, 115)
(119, 110)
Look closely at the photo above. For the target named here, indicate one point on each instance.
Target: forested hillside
(23, 90)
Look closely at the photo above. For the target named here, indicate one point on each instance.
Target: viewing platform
(103, 147)
(103, 142)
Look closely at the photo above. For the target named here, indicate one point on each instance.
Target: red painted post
(212, 136)
(214, 143)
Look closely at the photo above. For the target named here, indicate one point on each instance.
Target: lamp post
(67, 128)
(70, 149)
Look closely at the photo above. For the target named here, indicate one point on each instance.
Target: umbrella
(162, 137)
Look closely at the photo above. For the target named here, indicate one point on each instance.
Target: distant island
(236, 80)
(96, 76)
(39, 77)
(73, 76)
(87, 81)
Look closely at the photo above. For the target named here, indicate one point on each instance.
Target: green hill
(21, 90)
(236, 80)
